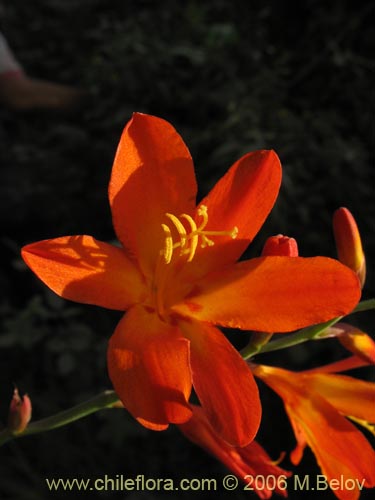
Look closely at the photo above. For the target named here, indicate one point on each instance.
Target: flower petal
(274, 294)
(86, 270)
(341, 450)
(148, 363)
(251, 460)
(152, 174)
(224, 384)
(340, 366)
(299, 433)
(242, 198)
(348, 395)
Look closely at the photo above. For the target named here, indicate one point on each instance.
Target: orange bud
(359, 343)
(19, 412)
(354, 340)
(280, 246)
(348, 242)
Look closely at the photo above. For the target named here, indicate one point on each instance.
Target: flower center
(188, 241)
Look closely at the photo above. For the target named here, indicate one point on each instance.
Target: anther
(180, 228)
(189, 241)
(168, 243)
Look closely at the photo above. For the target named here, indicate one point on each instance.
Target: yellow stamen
(180, 228)
(193, 238)
(363, 423)
(279, 460)
(168, 244)
(189, 241)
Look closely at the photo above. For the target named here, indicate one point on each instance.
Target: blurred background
(232, 77)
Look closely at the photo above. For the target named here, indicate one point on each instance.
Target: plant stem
(301, 336)
(106, 399)
(290, 340)
(365, 305)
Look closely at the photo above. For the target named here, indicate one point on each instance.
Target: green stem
(290, 340)
(104, 400)
(365, 305)
(301, 336)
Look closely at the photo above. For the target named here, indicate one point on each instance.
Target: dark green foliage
(232, 77)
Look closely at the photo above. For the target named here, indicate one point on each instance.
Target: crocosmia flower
(177, 277)
(317, 403)
(251, 463)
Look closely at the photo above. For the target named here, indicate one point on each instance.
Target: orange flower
(317, 403)
(177, 276)
(251, 463)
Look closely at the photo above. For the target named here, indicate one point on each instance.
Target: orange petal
(148, 363)
(348, 395)
(86, 270)
(256, 463)
(340, 366)
(274, 294)
(340, 448)
(152, 174)
(288, 386)
(297, 454)
(224, 384)
(242, 198)
(251, 460)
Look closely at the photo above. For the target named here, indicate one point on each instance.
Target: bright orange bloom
(317, 404)
(348, 242)
(251, 463)
(177, 276)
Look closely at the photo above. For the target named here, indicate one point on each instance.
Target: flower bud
(359, 343)
(280, 246)
(354, 340)
(348, 242)
(19, 412)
